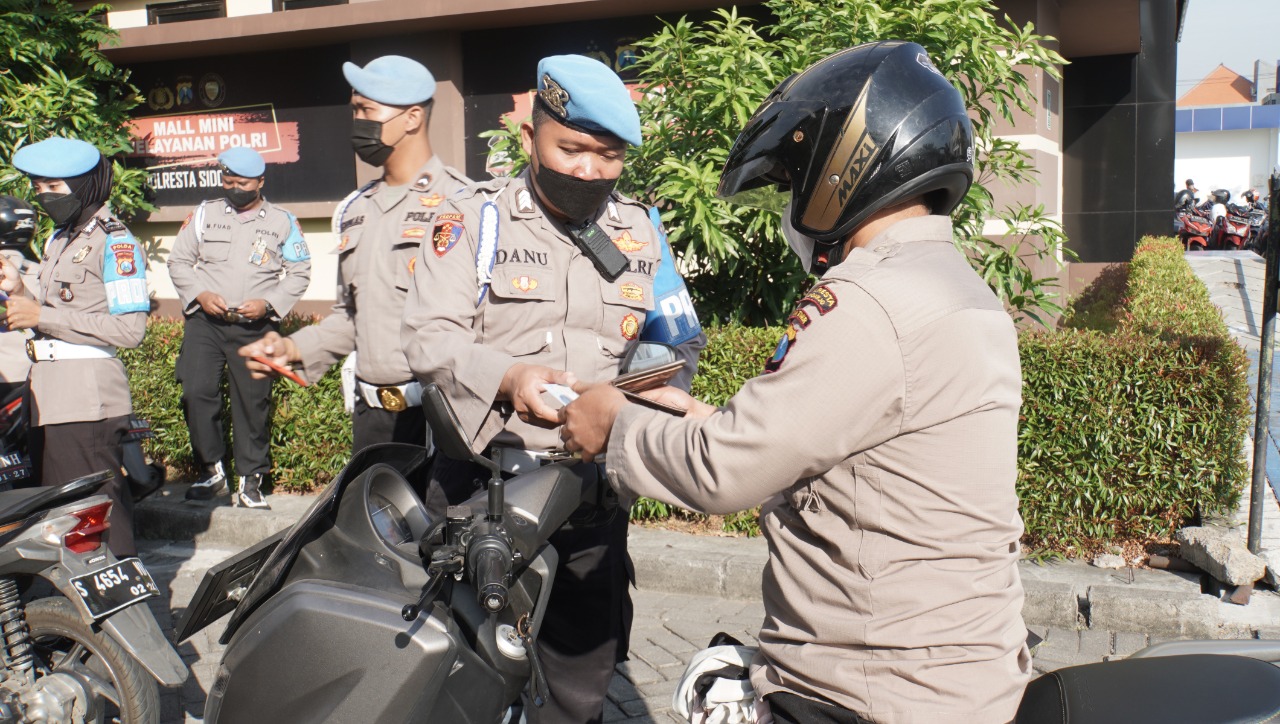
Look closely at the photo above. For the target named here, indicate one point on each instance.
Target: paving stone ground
(668, 628)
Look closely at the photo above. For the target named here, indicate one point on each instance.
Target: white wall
(1231, 160)
(133, 13)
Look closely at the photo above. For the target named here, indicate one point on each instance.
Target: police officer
(239, 265)
(17, 227)
(90, 298)
(883, 437)
(380, 228)
(1186, 197)
(523, 281)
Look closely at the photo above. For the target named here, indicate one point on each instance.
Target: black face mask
(240, 198)
(62, 208)
(366, 140)
(576, 198)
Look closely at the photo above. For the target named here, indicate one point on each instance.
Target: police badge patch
(631, 292)
(80, 255)
(126, 266)
(446, 233)
(431, 201)
(422, 184)
(415, 232)
(630, 327)
(524, 283)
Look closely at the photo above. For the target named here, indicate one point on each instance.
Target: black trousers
(373, 425)
(792, 709)
(587, 624)
(209, 346)
(70, 450)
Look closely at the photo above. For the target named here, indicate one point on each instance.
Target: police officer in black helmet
(17, 227)
(882, 440)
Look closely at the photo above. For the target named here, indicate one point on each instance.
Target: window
(300, 4)
(177, 12)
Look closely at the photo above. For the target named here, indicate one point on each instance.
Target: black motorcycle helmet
(859, 131)
(1250, 197)
(17, 223)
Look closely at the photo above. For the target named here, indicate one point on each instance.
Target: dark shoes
(250, 494)
(213, 484)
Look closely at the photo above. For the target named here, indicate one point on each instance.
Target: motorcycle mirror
(446, 430)
(646, 356)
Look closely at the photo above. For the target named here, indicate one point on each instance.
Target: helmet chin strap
(825, 256)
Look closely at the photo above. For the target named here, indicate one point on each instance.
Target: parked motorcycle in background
(89, 650)
(1196, 227)
(1257, 209)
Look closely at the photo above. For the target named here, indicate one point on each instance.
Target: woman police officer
(91, 298)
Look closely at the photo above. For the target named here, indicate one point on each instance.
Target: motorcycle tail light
(9, 412)
(86, 535)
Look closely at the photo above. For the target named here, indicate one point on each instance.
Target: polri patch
(448, 230)
(628, 244)
(630, 327)
(187, 222)
(821, 298)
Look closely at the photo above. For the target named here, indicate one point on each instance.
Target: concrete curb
(1065, 594)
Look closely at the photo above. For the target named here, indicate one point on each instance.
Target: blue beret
(586, 93)
(241, 161)
(391, 79)
(57, 158)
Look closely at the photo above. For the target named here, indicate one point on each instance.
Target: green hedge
(310, 432)
(1134, 415)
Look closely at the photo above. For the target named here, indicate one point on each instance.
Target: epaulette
(480, 188)
(113, 226)
(619, 198)
(457, 175)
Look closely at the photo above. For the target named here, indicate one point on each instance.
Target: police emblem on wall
(212, 90)
(160, 98)
(185, 91)
(446, 233)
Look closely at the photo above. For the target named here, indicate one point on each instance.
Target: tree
(703, 82)
(56, 82)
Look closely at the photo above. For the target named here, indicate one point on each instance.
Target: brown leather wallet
(634, 382)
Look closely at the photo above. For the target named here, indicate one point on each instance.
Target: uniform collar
(918, 228)
(261, 213)
(525, 204)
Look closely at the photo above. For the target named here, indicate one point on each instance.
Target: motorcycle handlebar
(490, 570)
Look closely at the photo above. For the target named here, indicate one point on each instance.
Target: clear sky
(1231, 32)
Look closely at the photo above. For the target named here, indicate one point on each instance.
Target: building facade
(267, 74)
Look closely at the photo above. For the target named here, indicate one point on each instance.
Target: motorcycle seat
(1201, 688)
(22, 502)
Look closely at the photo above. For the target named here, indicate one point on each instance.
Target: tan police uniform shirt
(84, 282)
(546, 304)
(380, 232)
(885, 447)
(240, 257)
(14, 363)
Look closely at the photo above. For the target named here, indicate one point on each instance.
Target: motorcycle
(1196, 228)
(368, 609)
(1231, 230)
(90, 650)
(143, 475)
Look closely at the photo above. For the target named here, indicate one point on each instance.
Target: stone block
(1108, 560)
(1221, 554)
(1272, 561)
(1049, 603)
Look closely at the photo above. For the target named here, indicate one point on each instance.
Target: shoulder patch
(114, 226)
(820, 298)
(124, 274)
(448, 230)
(294, 249)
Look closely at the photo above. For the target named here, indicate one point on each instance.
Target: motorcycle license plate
(118, 586)
(14, 466)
